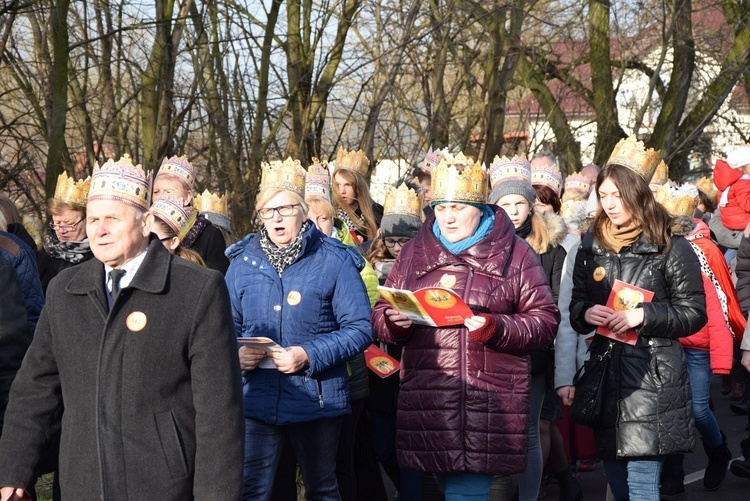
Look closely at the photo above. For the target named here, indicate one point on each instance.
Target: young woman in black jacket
(646, 412)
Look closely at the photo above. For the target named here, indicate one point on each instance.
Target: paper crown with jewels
(179, 167)
(459, 180)
(72, 192)
(577, 187)
(661, 174)
(287, 175)
(678, 200)
(355, 161)
(177, 216)
(121, 181)
(433, 159)
(547, 175)
(403, 200)
(632, 154)
(706, 185)
(509, 169)
(214, 207)
(318, 181)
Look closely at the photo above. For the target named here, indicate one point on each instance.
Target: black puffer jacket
(742, 268)
(648, 404)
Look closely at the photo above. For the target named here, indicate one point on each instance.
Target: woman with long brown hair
(646, 412)
(351, 195)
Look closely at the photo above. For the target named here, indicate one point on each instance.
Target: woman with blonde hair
(66, 243)
(172, 221)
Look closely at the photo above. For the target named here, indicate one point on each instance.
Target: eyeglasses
(393, 242)
(164, 239)
(64, 227)
(283, 210)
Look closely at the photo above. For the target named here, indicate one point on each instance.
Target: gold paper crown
(208, 202)
(706, 185)
(179, 167)
(352, 160)
(459, 180)
(577, 187)
(72, 192)
(403, 200)
(287, 175)
(547, 175)
(679, 201)
(632, 154)
(661, 175)
(177, 216)
(318, 181)
(433, 158)
(121, 181)
(507, 169)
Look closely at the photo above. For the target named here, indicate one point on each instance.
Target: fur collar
(682, 226)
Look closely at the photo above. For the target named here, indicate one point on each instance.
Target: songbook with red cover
(625, 297)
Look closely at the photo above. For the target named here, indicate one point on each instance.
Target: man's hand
(13, 494)
(398, 318)
(291, 360)
(250, 357)
(566, 393)
(746, 359)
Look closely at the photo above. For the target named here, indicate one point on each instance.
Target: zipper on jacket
(463, 354)
(317, 389)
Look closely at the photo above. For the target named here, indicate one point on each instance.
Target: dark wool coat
(648, 403)
(152, 411)
(15, 332)
(211, 246)
(463, 406)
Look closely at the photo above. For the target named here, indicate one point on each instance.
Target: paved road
(733, 489)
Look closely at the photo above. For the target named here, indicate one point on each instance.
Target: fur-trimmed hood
(548, 231)
(682, 226)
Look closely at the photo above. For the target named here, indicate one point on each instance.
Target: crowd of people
(145, 352)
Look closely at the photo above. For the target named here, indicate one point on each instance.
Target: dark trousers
(314, 445)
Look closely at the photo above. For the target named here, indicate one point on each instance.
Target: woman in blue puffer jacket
(291, 283)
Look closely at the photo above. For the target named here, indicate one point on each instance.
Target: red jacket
(735, 210)
(464, 405)
(701, 236)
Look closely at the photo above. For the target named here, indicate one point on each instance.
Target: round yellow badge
(293, 298)
(136, 321)
(448, 281)
(599, 274)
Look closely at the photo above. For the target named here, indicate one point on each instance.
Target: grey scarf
(281, 257)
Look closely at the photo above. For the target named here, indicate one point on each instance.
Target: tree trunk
(57, 101)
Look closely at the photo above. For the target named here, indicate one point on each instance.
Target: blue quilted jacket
(23, 259)
(319, 303)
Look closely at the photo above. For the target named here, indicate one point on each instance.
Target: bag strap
(599, 358)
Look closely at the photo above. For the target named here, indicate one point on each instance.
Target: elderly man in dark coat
(144, 363)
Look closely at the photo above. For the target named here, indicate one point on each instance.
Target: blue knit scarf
(486, 223)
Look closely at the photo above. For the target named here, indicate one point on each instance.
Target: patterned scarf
(195, 231)
(707, 271)
(72, 252)
(341, 214)
(281, 257)
(617, 237)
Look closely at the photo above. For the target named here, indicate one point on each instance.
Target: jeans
(529, 480)
(314, 444)
(634, 479)
(699, 369)
(465, 486)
